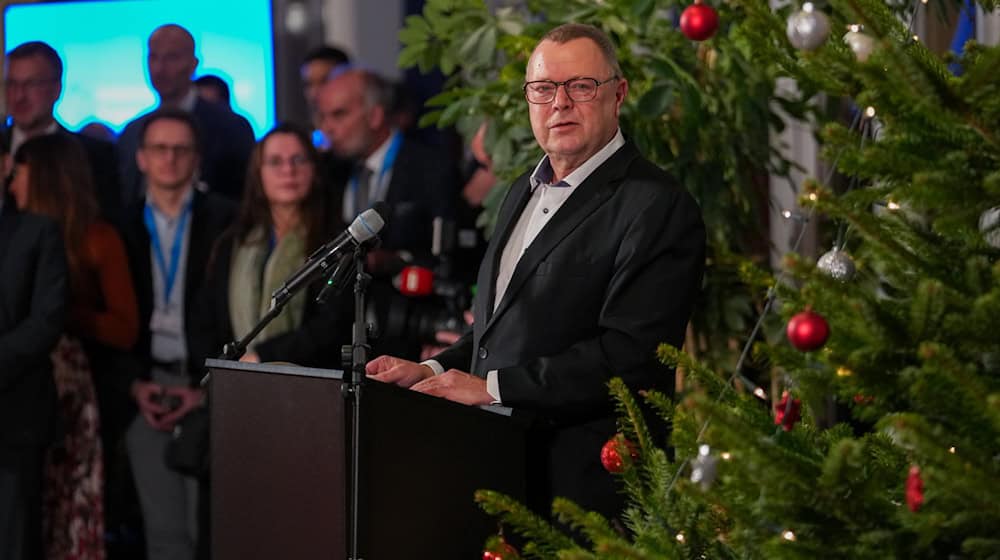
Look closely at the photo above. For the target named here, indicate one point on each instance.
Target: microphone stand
(359, 351)
(296, 282)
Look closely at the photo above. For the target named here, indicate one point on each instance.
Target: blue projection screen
(103, 47)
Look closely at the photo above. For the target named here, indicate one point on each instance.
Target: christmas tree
(880, 435)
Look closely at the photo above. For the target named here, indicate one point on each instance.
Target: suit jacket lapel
(514, 203)
(587, 198)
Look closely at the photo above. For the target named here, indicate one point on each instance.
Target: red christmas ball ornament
(610, 456)
(699, 21)
(787, 412)
(503, 551)
(807, 330)
(914, 489)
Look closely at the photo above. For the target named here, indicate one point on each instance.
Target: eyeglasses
(161, 150)
(296, 161)
(34, 84)
(578, 89)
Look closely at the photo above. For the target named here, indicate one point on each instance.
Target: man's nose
(562, 99)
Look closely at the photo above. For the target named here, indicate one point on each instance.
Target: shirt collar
(375, 160)
(18, 137)
(189, 100)
(543, 171)
(188, 197)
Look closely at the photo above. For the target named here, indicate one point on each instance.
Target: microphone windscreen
(416, 281)
(367, 225)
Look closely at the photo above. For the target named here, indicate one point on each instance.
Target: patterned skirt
(73, 518)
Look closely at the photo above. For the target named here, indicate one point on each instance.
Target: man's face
(168, 156)
(349, 126)
(572, 131)
(171, 62)
(32, 88)
(314, 74)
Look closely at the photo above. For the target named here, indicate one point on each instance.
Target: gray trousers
(169, 500)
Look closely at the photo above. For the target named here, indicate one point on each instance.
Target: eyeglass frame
(162, 150)
(555, 92)
(31, 84)
(297, 161)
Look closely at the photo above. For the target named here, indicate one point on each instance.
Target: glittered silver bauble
(808, 28)
(703, 467)
(862, 45)
(837, 265)
(989, 225)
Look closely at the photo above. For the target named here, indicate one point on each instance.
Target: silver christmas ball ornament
(989, 226)
(862, 45)
(837, 265)
(808, 28)
(703, 467)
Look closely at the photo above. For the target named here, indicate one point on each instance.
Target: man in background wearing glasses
(169, 234)
(597, 258)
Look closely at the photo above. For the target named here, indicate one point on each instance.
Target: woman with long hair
(284, 216)
(52, 177)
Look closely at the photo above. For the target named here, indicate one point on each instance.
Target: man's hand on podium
(457, 386)
(404, 373)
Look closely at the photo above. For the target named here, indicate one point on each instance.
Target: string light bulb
(870, 112)
(727, 455)
(844, 372)
(759, 393)
(892, 205)
(680, 537)
(813, 197)
(854, 28)
(951, 450)
(788, 535)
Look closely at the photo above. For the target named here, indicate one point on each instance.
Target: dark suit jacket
(423, 186)
(226, 141)
(211, 214)
(612, 275)
(104, 166)
(33, 304)
(316, 343)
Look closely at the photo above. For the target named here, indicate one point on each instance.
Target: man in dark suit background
(418, 182)
(33, 84)
(227, 137)
(33, 300)
(597, 257)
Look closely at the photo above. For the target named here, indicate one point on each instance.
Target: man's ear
(140, 159)
(376, 117)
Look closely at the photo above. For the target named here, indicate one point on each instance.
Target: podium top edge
(275, 367)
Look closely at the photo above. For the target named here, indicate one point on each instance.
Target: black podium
(280, 449)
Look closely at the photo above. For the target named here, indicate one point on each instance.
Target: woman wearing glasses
(283, 218)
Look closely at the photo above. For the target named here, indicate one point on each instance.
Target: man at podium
(596, 258)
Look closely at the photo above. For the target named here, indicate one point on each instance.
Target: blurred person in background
(32, 85)
(52, 178)
(214, 89)
(33, 304)
(226, 136)
(168, 235)
(282, 220)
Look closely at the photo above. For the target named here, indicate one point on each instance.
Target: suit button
(483, 353)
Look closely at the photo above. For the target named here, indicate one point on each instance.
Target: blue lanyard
(169, 274)
(387, 163)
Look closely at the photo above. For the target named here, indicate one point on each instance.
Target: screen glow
(103, 47)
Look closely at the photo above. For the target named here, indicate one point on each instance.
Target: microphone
(362, 229)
